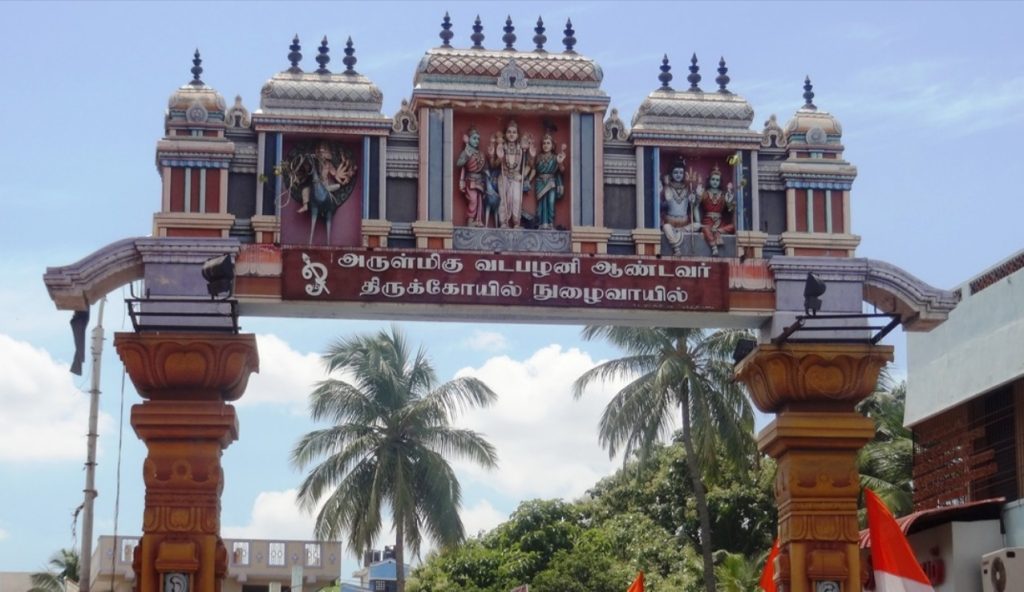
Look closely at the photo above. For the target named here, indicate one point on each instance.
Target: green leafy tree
(63, 567)
(886, 463)
(685, 371)
(388, 445)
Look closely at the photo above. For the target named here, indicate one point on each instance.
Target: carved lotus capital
(192, 366)
(812, 375)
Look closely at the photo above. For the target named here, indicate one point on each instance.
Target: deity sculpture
(717, 207)
(547, 180)
(322, 176)
(511, 156)
(471, 179)
(678, 206)
(325, 177)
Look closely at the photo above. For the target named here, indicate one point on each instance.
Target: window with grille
(276, 554)
(312, 555)
(240, 552)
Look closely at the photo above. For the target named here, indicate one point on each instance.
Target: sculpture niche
(688, 207)
(321, 176)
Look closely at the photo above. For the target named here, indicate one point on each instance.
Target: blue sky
(930, 95)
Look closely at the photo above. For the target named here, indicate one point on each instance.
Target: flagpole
(85, 560)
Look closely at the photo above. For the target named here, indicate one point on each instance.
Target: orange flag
(638, 583)
(896, 568)
(768, 575)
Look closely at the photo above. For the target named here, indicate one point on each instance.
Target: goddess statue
(717, 206)
(547, 180)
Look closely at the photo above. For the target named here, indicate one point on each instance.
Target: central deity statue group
(687, 207)
(494, 182)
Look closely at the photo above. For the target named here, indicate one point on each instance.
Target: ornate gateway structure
(505, 188)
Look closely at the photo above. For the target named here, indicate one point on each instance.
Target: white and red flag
(896, 568)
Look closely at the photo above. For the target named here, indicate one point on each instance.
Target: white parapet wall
(980, 347)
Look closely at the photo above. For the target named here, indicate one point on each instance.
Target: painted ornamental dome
(195, 105)
(321, 93)
(509, 76)
(812, 126)
(667, 113)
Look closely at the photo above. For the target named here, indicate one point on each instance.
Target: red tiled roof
(988, 509)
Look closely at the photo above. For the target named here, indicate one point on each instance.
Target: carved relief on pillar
(812, 375)
(188, 366)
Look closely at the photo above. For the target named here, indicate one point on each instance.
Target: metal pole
(85, 560)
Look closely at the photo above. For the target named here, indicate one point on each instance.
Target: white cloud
(45, 417)
(481, 517)
(275, 515)
(491, 341)
(3, 534)
(286, 376)
(546, 441)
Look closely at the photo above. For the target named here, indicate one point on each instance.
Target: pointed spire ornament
(809, 94)
(478, 34)
(510, 34)
(539, 39)
(197, 69)
(350, 59)
(570, 36)
(723, 78)
(295, 55)
(323, 59)
(446, 31)
(694, 77)
(666, 76)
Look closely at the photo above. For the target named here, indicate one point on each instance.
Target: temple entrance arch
(504, 189)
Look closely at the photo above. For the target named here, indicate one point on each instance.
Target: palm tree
(669, 369)
(886, 462)
(387, 445)
(63, 565)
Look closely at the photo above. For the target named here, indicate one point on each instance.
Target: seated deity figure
(512, 158)
(678, 205)
(471, 178)
(717, 206)
(548, 186)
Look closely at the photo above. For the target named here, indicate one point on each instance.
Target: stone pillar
(186, 380)
(813, 388)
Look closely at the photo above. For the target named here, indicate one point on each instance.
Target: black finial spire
(723, 77)
(350, 58)
(694, 77)
(478, 34)
(197, 69)
(323, 59)
(809, 94)
(510, 34)
(666, 76)
(295, 56)
(570, 36)
(446, 31)
(539, 39)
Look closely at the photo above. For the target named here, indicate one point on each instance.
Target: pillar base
(815, 436)
(186, 423)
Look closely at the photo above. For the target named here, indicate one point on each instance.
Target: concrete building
(965, 405)
(254, 565)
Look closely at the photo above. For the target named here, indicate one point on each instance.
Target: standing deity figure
(717, 206)
(510, 156)
(678, 206)
(547, 180)
(471, 179)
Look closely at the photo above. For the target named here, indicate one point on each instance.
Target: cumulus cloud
(481, 517)
(45, 417)
(286, 376)
(275, 515)
(546, 441)
(490, 341)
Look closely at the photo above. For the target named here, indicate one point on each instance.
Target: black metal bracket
(801, 324)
